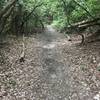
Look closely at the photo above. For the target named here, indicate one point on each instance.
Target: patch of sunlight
(97, 96)
(49, 46)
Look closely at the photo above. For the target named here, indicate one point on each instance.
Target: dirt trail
(54, 69)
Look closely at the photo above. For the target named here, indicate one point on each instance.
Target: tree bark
(6, 8)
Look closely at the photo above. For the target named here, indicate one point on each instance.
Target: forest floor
(54, 68)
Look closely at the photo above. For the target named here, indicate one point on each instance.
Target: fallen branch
(83, 39)
(22, 56)
(86, 23)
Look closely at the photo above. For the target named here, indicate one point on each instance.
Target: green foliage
(66, 12)
(59, 13)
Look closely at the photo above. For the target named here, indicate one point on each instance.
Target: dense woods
(22, 16)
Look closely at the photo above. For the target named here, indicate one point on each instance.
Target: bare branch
(33, 10)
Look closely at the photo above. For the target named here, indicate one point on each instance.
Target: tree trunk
(4, 19)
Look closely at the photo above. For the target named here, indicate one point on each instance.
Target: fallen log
(85, 24)
(80, 27)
